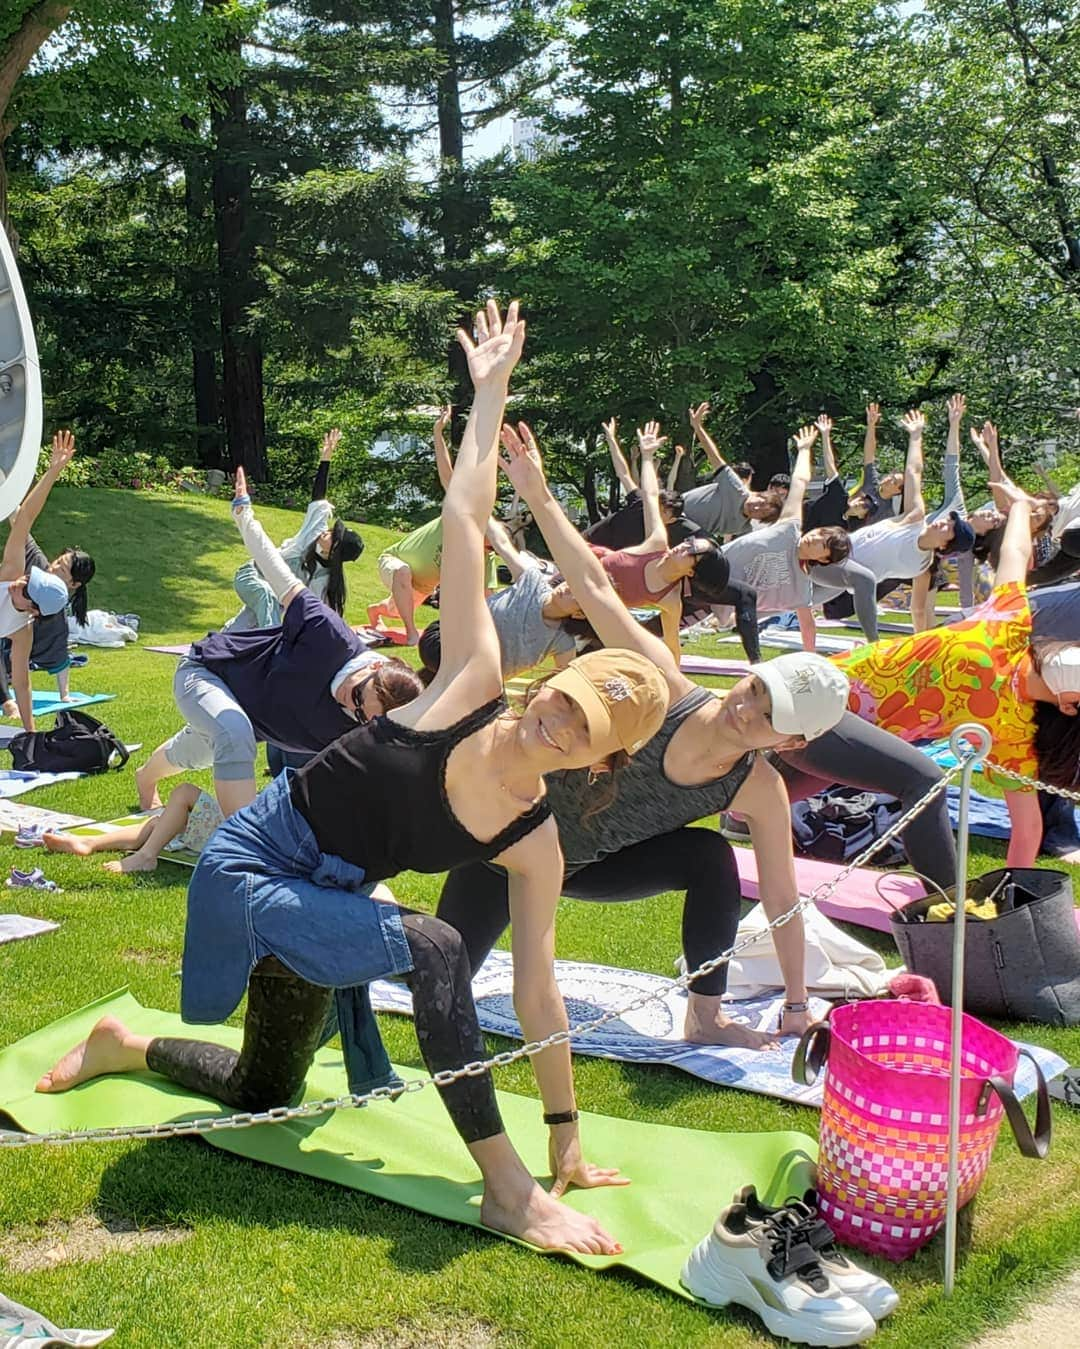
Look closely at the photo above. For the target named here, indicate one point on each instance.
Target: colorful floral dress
(924, 686)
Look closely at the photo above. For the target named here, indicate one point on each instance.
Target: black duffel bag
(78, 743)
(1023, 965)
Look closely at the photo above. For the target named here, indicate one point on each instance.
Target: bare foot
(548, 1224)
(109, 1048)
(148, 792)
(136, 861)
(412, 636)
(67, 843)
(10, 708)
(1072, 857)
(732, 1034)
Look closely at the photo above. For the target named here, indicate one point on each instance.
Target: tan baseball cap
(622, 693)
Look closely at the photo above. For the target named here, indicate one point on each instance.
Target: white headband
(354, 663)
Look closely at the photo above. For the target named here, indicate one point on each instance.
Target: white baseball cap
(809, 694)
(1061, 671)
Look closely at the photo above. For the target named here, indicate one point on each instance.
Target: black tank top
(377, 798)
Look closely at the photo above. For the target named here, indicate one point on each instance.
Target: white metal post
(971, 744)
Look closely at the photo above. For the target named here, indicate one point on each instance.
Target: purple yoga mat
(181, 650)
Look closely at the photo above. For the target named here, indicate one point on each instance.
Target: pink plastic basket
(884, 1151)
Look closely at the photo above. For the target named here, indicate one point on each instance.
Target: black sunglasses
(358, 699)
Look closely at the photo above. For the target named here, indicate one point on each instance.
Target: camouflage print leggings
(284, 1025)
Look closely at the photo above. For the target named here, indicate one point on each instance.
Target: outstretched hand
(496, 349)
(330, 443)
(957, 406)
(698, 415)
(442, 421)
(63, 450)
(611, 431)
(913, 422)
(824, 424)
(569, 1167)
(241, 499)
(522, 464)
(649, 439)
(805, 437)
(873, 414)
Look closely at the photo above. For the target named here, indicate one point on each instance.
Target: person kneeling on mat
(281, 905)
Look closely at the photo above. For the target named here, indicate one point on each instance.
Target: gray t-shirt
(647, 804)
(525, 635)
(768, 560)
(717, 506)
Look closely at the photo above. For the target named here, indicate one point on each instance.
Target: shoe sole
(700, 1277)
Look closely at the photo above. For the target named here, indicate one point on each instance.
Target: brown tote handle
(1031, 1144)
(811, 1053)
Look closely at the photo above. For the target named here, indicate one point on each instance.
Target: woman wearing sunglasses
(298, 686)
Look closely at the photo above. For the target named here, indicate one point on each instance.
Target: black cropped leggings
(284, 1024)
(742, 598)
(475, 898)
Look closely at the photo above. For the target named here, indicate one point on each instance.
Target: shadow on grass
(187, 1182)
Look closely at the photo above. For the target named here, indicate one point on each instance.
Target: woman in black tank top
(640, 846)
(282, 893)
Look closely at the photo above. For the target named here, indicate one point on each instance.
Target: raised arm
(914, 506)
(1014, 558)
(14, 560)
(697, 425)
(673, 471)
(824, 424)
(801, 473)
(322, 474)
(610, 619)
(276, 572)
(618, 459)
(869, 445)
(443, 461)
(649, 441)
(501, 541)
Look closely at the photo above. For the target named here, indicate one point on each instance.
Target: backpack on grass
(78, 743)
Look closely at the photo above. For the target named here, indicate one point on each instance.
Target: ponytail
(82, 572)
(345, 546)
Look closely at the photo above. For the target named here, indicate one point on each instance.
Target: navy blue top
(281, 676)
(1055, 612)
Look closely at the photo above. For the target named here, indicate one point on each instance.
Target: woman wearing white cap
(281, 902)
(706, 757)
(26, 595)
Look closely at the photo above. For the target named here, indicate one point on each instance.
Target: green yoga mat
(407, 1151)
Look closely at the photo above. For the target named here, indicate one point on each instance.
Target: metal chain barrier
(282, 1114)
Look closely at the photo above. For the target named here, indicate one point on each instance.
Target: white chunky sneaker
(770, 1268)
(868, 1290)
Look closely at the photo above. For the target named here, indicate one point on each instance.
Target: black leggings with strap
(283, 1027)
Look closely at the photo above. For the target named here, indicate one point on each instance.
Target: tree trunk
(767, 432)
(238, 285)
(200, 297)
(37, 26)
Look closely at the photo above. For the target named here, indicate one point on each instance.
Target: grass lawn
(258, 1257)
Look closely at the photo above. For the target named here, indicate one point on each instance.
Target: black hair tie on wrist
(562, 1117)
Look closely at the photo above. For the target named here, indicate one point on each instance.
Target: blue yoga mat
(46, 701)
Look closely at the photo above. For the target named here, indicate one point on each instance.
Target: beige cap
(622, 693)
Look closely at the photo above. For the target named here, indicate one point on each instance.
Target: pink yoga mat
(170, 650)
(855, 901)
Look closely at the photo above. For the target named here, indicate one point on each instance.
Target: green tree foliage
(993, 122)
(713, 218)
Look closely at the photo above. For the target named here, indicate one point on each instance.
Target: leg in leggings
(285, 1020)
(698, 861)
(744, 598)
(858, 754)
(475, 900)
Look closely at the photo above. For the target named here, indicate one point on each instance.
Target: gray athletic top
(717, 506)
(525, 635)
(648, 802)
